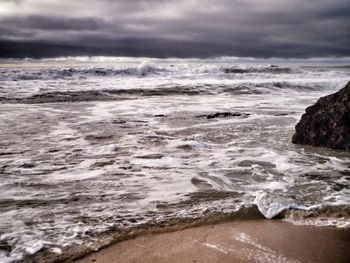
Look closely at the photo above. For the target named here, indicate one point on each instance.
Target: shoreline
(115, 237)
(250, 240)
(110, 238)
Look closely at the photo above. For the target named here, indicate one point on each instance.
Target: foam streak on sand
(92, 151)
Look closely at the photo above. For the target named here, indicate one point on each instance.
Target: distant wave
(144, 69)
(262, 69)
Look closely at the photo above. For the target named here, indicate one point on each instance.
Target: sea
(92, 148)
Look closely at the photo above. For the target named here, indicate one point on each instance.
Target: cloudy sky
(175, 28)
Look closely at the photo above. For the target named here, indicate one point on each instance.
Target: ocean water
(91, 146)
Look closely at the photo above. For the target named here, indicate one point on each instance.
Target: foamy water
(90, 146)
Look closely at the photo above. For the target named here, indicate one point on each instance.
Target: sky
(175, 28)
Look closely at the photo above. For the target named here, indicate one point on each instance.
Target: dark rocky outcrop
(327, 123)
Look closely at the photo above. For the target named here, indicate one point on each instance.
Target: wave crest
(262, 69)
(144, 69)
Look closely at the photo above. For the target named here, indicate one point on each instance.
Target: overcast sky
(175, 28)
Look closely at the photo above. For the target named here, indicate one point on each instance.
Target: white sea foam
(272, 205)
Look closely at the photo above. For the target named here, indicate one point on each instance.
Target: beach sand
(235, 241)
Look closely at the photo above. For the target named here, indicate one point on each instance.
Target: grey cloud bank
(175, 28)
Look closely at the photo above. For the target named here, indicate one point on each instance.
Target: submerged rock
(225, 115)
(326, 123)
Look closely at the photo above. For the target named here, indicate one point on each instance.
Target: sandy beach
(235, 241)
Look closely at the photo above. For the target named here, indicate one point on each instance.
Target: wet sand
(236, 241)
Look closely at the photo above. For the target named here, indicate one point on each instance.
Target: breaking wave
(144, 69)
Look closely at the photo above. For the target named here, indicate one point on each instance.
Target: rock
(249, 163)
(4, 245)
(151, 156)
(326, 123)
(119, 121)
(28, 165)
(98, 137)
(224, 115)
(103, 163)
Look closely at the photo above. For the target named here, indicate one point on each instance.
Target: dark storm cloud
(162, 28)
(53, 23)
